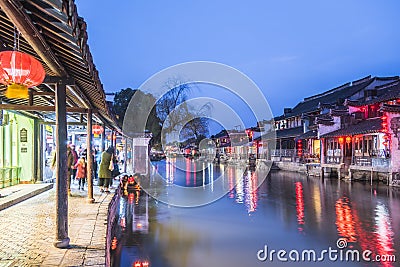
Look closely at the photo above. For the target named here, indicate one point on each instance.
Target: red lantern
(341, 140)
(114, 243)
(19, 71)
(385, 130)
(348, 139)
(97, 129)
(299, 148)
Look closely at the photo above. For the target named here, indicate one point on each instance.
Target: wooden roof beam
(15, 12)
(40, 108)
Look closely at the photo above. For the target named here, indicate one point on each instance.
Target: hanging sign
(23, 135)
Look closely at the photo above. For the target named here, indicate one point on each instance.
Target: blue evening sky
(290, 49)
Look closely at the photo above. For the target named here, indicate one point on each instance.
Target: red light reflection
(300, 205)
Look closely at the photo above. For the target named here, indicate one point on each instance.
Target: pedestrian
(81, 172)
(70, 160)
(94, 164)
(106, 166)
(75, 160)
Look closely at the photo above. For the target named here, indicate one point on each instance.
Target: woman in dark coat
(105, 175)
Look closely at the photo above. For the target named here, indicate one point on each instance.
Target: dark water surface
(287, 212)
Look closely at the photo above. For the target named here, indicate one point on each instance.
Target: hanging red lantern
(348, 139)
(341, 140)
(299, 148)
(385, 130)
(97, 129)
(19, 71)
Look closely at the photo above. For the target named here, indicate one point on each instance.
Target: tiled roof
(325, 119)
(285, 133)
(384, 93)
(329, 97)
(391, 108)
(308, 135)
(363, 127)
(58, 24)
(290, 132)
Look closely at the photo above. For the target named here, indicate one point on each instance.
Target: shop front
(17, 150)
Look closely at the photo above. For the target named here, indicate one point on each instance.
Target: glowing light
(114, 243)
(384, 232)
(19, 71)
(341, 140)
(299, 204)
(348, 139)
(344, 220)
(188, 172)
(299, 148)
(131, 197)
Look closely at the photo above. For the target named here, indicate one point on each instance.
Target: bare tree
(180, 119)
(196, 128)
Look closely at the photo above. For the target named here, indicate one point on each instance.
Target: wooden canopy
(53, 33)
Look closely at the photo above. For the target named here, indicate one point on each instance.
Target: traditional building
(360, 143)
(345, 129)
(54, 34)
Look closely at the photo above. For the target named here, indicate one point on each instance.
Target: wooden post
(89, 157)
(114, 140)
(62, 239)
(103, 139)
(126, 153)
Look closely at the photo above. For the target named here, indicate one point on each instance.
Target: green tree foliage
(138, 111)
(121, 102)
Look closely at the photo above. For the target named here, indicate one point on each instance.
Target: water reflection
(299, 205)
(288, 211)
(384, 232)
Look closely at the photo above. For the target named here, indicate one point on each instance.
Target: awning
(279, 134)
(368, 126)
(312, 134)
(57, 37)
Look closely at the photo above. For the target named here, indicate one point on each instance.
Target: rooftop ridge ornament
(20, 71)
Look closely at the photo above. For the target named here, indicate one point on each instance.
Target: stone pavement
(15, 194)
(27, 231)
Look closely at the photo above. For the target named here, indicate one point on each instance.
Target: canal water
(308, 220)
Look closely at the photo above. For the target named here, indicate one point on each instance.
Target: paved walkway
(27, 229)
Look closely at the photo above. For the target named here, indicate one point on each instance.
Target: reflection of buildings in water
(317, 204)
(376, 236)
(384, 232)
(211, 176)
(300, 205)
(188, 171)
(204, 175)
(251, 198)
(170, 169)
(194, 174)
(231, 183)
(239, 189)
(345, 220)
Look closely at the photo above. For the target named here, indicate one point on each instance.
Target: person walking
(106, 166)
(70, 160)
(95, 165)
(81, 172)
(75, 160)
